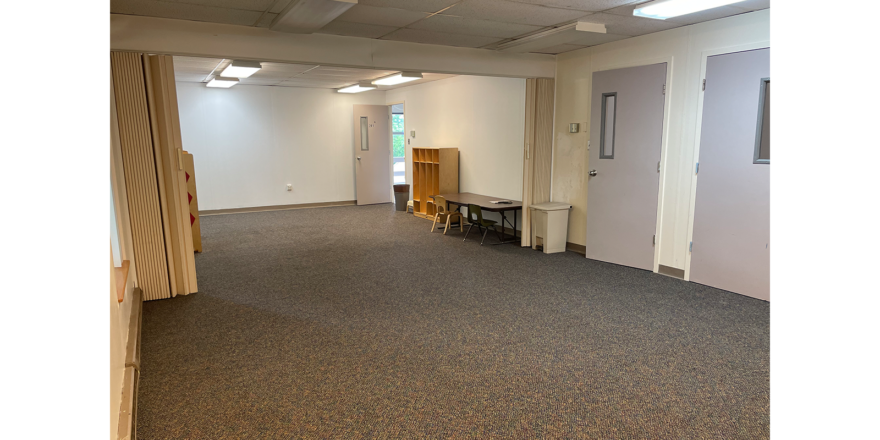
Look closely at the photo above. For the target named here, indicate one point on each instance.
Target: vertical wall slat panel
(140, 174)
(543, 151)
(528, 148)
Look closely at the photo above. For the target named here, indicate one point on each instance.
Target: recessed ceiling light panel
(663, 9)
(398, 78)
(222, 82)
(241, 69)
(362, 86)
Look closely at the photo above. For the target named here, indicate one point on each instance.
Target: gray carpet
(356, 322)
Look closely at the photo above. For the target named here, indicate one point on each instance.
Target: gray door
(731, 244)
(372, 150)
(626, 129)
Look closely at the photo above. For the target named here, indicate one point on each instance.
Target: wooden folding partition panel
(538, 152)
(162, 99)
(189, 167)
(146, 105)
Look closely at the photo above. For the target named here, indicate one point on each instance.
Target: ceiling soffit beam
(552, 37)
(307, 16)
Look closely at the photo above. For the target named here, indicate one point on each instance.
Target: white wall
(249, 142)
(483, 117)
(684, 49)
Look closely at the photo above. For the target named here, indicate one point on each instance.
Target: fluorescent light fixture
(398, 78)
(362, 86)
(219, 81)
(241, 69)
(663, 9)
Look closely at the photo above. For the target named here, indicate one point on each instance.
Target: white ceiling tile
(560, 48)
(252, 81)
(581, 5)
(511, 12)
(428, 37)
(285, 68)
(266, 21)
(470, 26)
(593, 39)
(362, 30)
(753, 5)
(279, 6)
(381, 16)
(632, 26)
(184, 11)
(189, 77)
(248, 5)
(412, 5)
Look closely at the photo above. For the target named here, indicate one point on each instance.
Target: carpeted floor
(356, 322)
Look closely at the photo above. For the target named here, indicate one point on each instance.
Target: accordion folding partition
(435, 171)
(155, 181)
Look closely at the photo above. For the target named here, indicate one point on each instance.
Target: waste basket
(401, 196)
(550, 224)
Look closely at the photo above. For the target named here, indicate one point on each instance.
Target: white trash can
(550, 224)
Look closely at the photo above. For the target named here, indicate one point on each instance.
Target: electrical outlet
(289, 187)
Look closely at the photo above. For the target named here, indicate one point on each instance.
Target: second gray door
(626, 129)
(731, 242)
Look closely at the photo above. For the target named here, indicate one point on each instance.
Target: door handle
(592, 172)
(359, 158)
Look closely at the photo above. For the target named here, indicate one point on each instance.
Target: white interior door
(372, 151)
(731, 241)
(626, 129)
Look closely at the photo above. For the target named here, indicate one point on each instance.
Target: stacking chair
(443, 215)
(475, 217)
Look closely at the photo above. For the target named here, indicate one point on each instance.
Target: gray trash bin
(401, 196)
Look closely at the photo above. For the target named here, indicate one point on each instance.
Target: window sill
(121, 279)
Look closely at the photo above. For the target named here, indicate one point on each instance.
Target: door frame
(664, 140)
(698, 132)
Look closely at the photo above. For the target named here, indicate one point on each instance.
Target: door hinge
(654, 240)
(664, 89)
(697, 171)
(658, 167)
(704, 85)
(692, 247)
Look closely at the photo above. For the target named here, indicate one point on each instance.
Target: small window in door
(606, 135)
(365, 134)
(762, 134)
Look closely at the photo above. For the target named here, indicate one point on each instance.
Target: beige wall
(684, 51)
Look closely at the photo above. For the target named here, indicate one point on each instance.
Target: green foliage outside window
(397, 123)
(399, 148)
(398, 144)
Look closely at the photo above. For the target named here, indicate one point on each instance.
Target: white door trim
(664, 140)
(704, 59)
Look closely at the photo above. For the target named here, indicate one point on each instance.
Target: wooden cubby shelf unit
(435, 171)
